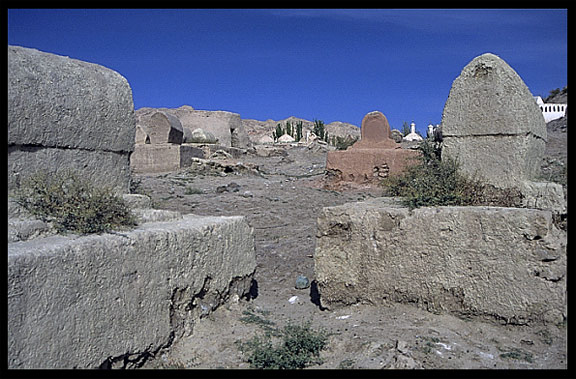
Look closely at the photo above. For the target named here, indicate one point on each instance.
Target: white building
(412, 136)
(266, 140)
(551, 111)
(430, 132)
(286, 139)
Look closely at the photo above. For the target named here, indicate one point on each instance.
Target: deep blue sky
(328, 64)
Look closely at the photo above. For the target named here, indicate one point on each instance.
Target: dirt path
(281, 204)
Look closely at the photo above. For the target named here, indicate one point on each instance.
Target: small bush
(518, 354)
(437, 182)
(252, 318)
(299, 347)
(73, 204)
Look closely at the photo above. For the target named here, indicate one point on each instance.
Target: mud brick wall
(112, 300)
(505, 264)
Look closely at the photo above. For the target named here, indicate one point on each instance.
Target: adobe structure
(159, 147)
(169, 139)
(374, 157)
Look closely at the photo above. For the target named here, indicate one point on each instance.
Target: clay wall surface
(504, 264)
(374, 157)
(367, 165)
(68, 114)
(492, 125)
(111, 300)
(163, 157)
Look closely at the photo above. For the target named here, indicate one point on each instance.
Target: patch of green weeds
(428, 343)
(252, 318)
(292, 347)
(73, 204)
(515, 353)
(436, 182)
(347, 364)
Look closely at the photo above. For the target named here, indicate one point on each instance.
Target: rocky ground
(280, 196)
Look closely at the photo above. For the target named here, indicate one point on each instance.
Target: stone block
(66, 113)
(492, 125)
(544, 195)
(112, 300)
(150, 158)
(500, 160)
(101, 167)
(56, 101)
(504, 264)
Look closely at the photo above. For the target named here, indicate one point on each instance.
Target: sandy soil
(280, 201)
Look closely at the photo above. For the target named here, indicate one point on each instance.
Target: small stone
(233, 187)
(402, 347)
(302, 282)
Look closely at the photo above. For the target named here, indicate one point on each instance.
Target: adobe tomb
(374, 157)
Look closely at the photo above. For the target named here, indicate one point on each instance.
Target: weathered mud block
(368, 165)
(113, 300)
(374, 157)
(492, 125)
(495, 130)
(68, 114)
(375, 133)
(163, 157)
(499, 263)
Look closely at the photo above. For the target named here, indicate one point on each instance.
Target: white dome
(265, 139)
(286, 138)
(412, 137)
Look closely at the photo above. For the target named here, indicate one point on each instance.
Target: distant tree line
(556, 92)
(295, 131)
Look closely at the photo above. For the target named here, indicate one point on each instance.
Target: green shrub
(298, 135)
(73, 204)
(299, 347)
(518, 354)
(436, 182)
(252, 318)
(319, 129)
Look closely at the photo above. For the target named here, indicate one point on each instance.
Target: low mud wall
(507, 264)
(113, 300)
